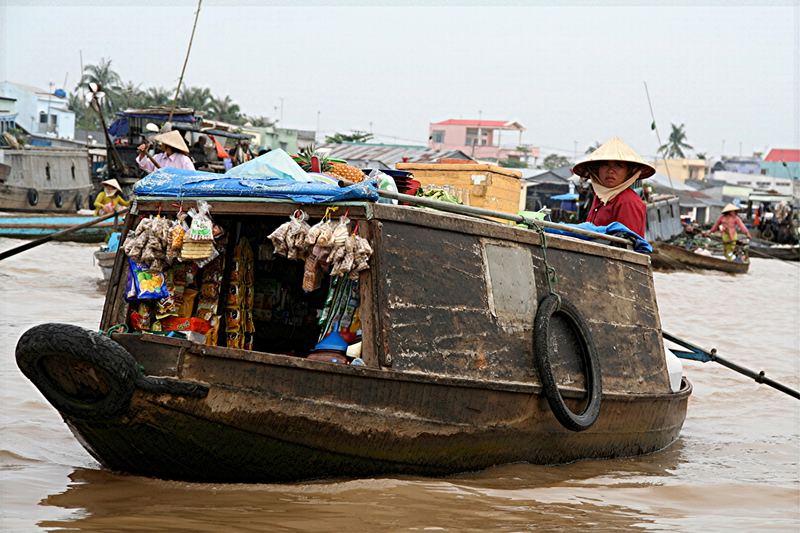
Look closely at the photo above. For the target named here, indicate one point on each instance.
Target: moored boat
(34, 226)
(469, 359)
(53, 180)
(672, 257)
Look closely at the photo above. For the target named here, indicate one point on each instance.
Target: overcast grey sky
(573, 73)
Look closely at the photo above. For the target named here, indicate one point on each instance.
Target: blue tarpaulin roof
(272, 175)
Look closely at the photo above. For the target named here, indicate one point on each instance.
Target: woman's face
(110, 191)
(612, 173)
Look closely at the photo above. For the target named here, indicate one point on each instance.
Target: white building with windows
(38, 111)
(757, 182)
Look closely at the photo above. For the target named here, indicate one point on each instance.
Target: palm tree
(225, 109)
(156, 96)
(592, 148)
(675, 146)
(130, 96)
(197, 98)
(354, 137)
(259, 122)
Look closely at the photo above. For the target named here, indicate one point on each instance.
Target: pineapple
(347, 172)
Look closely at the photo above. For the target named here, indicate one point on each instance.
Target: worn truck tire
(82, 373)
(548, 307)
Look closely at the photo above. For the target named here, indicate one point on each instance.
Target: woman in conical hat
(727, 224)
(110, 198)
(613, 168)
(174, 154)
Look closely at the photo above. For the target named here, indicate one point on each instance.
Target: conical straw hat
(614, 149)
(174, 139)
(112, 183)
(728, 208)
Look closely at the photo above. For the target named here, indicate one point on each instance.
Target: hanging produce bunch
(325, 247)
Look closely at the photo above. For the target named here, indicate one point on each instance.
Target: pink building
(480, 139)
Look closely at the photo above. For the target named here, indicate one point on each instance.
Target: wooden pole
(481, 212)
(48, 238)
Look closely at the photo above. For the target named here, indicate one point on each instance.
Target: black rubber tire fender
(78, 202)
(58, 199)
(542, 358)
(93, 362)
(33, 197)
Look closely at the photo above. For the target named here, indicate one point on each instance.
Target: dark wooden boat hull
(784, 253)
(285, 419)
(671, 257)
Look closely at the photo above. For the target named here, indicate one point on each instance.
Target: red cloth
(626, 208)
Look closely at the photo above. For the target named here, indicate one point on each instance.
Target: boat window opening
(73, 170)
(47, 171)
(254, 299)
(659, 215)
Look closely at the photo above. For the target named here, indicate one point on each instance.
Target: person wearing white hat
(110, 198)
(727, 224)
(174, 154)
(613, 168)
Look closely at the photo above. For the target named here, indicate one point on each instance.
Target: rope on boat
(550, 271)
(116, 328)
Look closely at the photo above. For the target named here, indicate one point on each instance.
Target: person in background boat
(727, 224)
(110, 198)
(612, 169)
(174, 153)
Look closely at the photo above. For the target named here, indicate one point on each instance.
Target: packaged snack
(235, 296)
(233, 319)
(201, 228)
(213, 332)
(149, 285)
(175, 323)
(312, 274)
(187, 303)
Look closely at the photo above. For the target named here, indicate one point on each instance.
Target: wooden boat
(671, 257)
(468, 363)
(53, 180)
(770, 250)
(105, 260)
(31, 226)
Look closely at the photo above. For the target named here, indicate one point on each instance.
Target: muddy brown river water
(736, 466)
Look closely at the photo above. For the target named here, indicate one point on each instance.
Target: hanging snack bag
(149, 285)
(201, 229)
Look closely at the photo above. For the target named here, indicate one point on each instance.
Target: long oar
(699, 354)
(48, 238)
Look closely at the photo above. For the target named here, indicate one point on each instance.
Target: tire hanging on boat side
(548, 307)
(58, 198)
(82, 373)
(33, 197)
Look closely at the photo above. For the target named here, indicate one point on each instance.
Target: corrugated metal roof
(788, 155)
(389, 154)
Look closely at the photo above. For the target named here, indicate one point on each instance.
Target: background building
(482, 139)
(39, 112)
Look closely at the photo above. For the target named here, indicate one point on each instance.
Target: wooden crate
(481, 185)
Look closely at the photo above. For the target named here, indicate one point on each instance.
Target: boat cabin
(444, 295)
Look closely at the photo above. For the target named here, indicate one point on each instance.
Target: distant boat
(671, 257)
(770, 250)
(51, 180)
(30, 226)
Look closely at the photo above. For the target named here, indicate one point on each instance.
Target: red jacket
(626, 208)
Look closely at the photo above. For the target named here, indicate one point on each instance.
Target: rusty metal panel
(511, 284)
